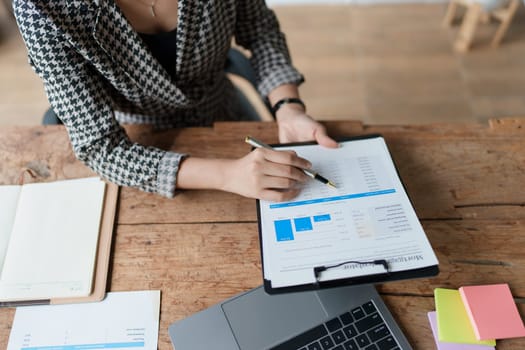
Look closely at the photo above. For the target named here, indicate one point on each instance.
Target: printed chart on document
(367, 217)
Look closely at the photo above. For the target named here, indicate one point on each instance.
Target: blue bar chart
(287, 229)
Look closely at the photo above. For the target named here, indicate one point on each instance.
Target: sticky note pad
(452, 319)
(492, 311)
(452, 346)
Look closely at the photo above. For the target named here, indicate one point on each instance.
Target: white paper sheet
(123, 321)
(367, 217)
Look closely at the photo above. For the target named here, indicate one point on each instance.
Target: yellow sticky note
(452, 319)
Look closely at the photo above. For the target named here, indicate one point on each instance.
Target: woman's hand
(266, 174)
(294, 124)
(297, 126)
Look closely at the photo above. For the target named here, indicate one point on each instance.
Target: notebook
(351, 317)
(492, 311)
(55, 240)
(365, 230)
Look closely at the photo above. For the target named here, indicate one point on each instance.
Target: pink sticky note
(452, 346)
(492, 311)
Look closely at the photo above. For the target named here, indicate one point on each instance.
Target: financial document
(367, 217)
(123, 321)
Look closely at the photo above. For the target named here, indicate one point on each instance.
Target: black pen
(259, 144)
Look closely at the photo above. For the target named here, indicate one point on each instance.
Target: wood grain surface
(465, 181)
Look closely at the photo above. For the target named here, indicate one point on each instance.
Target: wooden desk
(466, 183)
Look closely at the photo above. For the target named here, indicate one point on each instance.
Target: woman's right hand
(266, 174)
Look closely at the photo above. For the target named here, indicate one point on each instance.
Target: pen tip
(331, 184)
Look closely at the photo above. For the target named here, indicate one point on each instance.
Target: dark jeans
(50, 118)
(236, 63)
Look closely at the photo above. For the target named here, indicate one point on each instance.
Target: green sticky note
(452, 319)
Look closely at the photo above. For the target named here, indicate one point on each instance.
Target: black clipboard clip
(319, 269)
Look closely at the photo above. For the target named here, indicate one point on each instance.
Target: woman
(161, 62)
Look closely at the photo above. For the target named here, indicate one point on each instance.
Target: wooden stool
(475, 14)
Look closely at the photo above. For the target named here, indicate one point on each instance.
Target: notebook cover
(452, 346)
(452, 319)
(492, 311)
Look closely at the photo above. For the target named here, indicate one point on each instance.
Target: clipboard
(306, 222)
(103, 254)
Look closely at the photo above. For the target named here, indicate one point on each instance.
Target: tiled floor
(382, 64)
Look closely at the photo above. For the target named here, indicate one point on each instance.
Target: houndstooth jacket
(98, 73)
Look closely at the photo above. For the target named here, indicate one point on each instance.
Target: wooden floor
(382, 64)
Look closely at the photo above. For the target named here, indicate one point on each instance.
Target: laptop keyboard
(360, 328)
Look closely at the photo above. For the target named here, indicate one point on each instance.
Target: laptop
(342, 318)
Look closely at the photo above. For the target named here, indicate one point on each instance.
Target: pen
(259, 144)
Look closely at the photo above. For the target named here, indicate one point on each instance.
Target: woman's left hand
(297, 126)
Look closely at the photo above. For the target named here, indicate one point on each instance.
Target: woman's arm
(258, 30)
(264, 174)
(81, 99)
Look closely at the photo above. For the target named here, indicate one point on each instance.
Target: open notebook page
(8, 203)
(52, 249)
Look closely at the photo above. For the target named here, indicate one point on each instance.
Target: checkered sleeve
(258, 30)
(81, 99)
